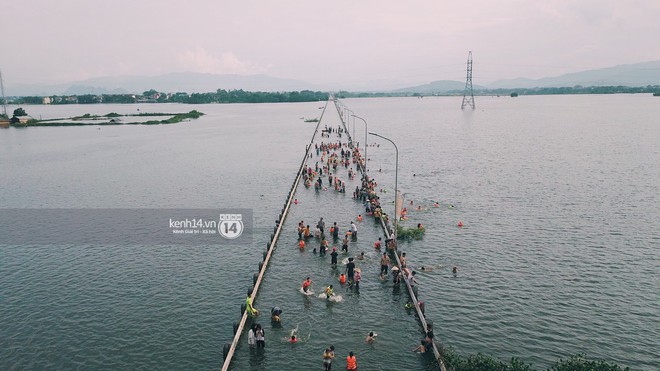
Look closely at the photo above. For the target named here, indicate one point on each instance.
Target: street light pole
(353, 125)
(366, 158)
(348, 119)
(396, 181)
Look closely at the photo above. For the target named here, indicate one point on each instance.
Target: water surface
(558, 253)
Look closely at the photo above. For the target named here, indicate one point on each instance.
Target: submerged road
(344, 322)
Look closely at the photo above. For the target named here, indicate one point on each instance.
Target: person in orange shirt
(351, 362)
(306, 284)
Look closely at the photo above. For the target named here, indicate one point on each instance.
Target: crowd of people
(333, 155)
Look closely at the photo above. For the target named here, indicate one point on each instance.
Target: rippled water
(558, 255)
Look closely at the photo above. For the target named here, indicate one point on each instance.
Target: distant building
(20, 120)
(47, 100)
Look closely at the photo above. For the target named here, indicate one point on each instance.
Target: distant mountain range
(639, 74)
(441, 86)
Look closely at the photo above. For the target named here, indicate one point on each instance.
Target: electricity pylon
(468, 94)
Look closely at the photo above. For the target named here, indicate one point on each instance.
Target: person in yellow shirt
(252, 311)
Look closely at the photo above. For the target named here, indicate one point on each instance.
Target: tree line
(242, 96)
(153, 96)
(653, 89)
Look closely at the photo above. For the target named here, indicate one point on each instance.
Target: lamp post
(353, 124)
(396, 181)
(348, 120)
(366, 159)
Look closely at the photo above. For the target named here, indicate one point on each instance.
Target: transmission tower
(468, 94)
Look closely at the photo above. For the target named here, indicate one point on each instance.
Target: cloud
(200, 60)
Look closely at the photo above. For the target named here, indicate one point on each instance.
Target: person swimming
(329, 292)
(428, 268)
(293, 336)
(370, 337)
(421, 348)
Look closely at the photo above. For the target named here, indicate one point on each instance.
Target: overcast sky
(338, 42)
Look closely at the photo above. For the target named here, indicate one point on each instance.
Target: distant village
(153, 96)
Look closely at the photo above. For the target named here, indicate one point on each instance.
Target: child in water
(293, 336)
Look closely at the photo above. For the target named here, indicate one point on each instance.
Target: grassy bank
(481, 362)
(114, 119)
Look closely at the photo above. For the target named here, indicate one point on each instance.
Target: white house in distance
(47, 100)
